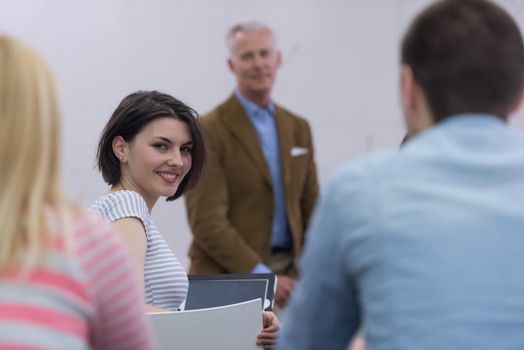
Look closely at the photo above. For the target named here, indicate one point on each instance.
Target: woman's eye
(186, 150)
(160, 146)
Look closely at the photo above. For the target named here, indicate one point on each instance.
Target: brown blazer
(230, 211)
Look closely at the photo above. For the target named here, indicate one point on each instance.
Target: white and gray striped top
(165, 280)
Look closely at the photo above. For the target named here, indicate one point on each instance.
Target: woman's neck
(121, 186)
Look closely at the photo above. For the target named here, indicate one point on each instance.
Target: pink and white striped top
(89, 299)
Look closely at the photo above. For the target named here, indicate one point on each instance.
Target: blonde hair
(29, 156)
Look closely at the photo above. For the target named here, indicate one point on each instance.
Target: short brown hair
(133, 113)
(468, 57)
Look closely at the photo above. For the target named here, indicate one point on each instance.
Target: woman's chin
(169, 193)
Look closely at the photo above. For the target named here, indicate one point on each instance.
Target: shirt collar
(252, 108)
(472, 119)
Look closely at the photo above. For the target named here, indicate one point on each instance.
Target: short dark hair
(133, 113)
(468, 56)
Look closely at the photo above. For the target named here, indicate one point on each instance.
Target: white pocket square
(298, 151)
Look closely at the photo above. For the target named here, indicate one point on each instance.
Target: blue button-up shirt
(263, 120)
(422, 246)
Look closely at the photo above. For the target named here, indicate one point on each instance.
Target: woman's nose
(175, 159)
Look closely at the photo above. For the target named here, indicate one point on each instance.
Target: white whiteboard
(339, 70)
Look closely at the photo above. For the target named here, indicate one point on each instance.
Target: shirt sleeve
(120, 321)
(323, 311)
(261, 268)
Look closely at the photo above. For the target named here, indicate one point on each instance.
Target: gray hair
(247, 26)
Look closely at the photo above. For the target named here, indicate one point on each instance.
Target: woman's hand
(268, 335)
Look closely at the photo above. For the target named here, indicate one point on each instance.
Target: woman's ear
(119, 148)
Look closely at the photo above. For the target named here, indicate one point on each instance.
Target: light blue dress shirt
(423, 246)
(263, 120)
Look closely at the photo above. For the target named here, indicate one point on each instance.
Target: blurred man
(250, 210)
(423, 246)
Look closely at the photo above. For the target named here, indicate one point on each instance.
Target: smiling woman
(158, 158)
(151, 147)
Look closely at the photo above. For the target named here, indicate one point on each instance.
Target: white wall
(339, 71)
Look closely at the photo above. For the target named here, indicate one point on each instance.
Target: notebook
(232, 327)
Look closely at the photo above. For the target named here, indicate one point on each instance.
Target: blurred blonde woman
(66, 281)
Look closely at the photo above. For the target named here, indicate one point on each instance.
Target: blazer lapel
(241, 127)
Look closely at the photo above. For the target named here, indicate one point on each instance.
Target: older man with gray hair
(251, 208)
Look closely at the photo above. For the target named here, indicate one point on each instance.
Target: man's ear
(417, 114)
(518, 103)
(407, 89)
(279, 58)
(231, 65)
(119, 148)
